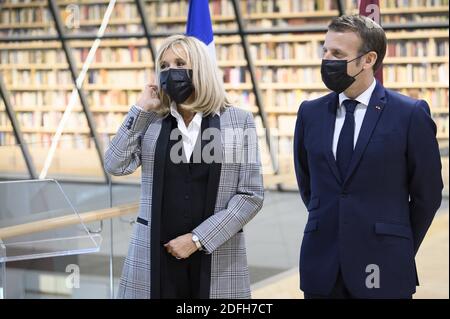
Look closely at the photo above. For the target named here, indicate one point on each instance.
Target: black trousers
(339, 291)
(180, 278)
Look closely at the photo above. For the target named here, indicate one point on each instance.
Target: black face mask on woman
(177, 83)
(334, 74)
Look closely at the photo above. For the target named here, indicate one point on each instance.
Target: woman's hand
(181, 247)
(149, 99)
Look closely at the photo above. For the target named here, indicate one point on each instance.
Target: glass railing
(44, 263)
(38, 222)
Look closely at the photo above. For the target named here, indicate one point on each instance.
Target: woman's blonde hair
(209, 92)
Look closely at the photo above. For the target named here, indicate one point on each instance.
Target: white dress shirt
(360, 112)
(190, 133)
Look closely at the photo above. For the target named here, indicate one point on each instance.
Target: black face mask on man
(334, 74)
(177, 83)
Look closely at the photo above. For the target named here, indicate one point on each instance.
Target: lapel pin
(378, 107)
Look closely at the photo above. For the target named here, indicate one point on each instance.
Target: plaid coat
(235, 195)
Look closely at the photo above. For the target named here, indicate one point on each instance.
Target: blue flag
(199, 24)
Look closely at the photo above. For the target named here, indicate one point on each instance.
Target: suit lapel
(374, 110)
(330, 120)
(157, 194)
(210, 203)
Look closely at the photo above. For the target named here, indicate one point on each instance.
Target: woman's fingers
(168, 248)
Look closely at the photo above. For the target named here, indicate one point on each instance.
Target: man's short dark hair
(371, 34)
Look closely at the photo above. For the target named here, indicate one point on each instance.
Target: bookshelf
(287, 64)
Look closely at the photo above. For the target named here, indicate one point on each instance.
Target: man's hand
(181, 247)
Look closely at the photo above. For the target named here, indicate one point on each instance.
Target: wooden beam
(68, 220)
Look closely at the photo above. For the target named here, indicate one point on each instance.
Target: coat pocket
(397, 230)
(314, 203)
(142, 221)
(311, 226)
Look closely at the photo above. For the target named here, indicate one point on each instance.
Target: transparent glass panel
(37, 220)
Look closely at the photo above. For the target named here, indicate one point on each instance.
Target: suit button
(186, 197)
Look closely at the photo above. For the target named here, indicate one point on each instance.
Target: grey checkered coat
(239, 197)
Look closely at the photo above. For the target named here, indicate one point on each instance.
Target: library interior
(71, 69)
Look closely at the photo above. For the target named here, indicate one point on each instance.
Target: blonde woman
(187, 241)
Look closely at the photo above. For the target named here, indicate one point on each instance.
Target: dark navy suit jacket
(377, 216)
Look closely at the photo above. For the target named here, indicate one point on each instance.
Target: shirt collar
(196, 120)
(363, 98)
(197, 117)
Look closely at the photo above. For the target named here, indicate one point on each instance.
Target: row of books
(229, 52)
(292, 99)
(288, 75)
(436, 98)
(112, 98)
(7, 139)
(50, 119)
(236, 75)
(259, 51)
(50, 30)
(44, 140)
(4, 120)
(97, 11)
(402, 3)
(413, 48)
(39, 98)
(59, 99)
(242, 99)
(286, 6)
(285, 50)
(248, 7)
(115, 54)
(76, 120)
(442, 124)
(80, 12)
(417, 48)
(92, 11)
(37, 77)
(62, 77)
(282, 133)
(111, 121)
(221, 8)
(403, 73)
(442, 47)
(42, 100)
(168, 8)
(50, 56)
(416, 17)
(27, 32)
(118, 77)
(311, 50)
(411, 73)
(25, 15)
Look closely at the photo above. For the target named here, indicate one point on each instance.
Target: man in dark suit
(368, 168)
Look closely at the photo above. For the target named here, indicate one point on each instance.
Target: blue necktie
(344, 150)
